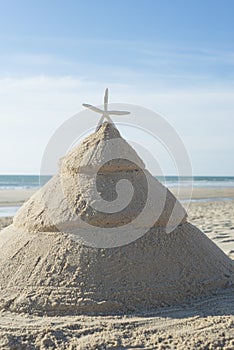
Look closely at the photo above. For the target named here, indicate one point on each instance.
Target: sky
(175, 57)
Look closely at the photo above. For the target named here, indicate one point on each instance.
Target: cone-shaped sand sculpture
(47, 266)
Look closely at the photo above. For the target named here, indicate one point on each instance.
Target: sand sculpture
(45, 270)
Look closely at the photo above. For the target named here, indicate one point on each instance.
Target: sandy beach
(206, 323)
(14, 197)
(117, 175)
(19, 196)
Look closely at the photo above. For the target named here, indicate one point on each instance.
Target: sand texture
(216, 219)
(47, 266)
(19, 196)
(52, 274)
(15, 197)
(166, 289)
(66, 202)
(5, 222)
(205, 323)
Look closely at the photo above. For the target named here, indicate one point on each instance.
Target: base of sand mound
(51, 274)
(207, 323)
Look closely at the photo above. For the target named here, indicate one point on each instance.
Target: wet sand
(14, 197)
(18, 197)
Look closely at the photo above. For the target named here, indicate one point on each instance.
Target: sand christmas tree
(47, 266)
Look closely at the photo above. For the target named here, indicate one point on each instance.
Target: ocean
(34, 181)
(17, 182)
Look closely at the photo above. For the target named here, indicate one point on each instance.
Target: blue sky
(175, 57)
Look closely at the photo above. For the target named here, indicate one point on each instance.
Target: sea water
(35, 181)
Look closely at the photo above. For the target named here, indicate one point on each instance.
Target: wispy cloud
(42, 87)
(32, 108)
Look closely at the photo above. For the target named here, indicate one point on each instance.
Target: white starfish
(105, 113)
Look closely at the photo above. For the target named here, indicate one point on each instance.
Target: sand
(206, 192)
(94, 170)
(164, 290)
(207, 323)
(215, 218)
(18, 197)
(15, 197)
(4, 222)
(69, 252)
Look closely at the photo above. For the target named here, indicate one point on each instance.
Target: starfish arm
(93, 108)
(118, 112)
(106, 99)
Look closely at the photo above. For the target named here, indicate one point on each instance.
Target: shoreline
(16, 197)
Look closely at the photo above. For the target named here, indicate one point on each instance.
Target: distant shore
(17, 197)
